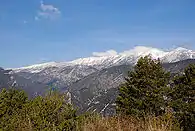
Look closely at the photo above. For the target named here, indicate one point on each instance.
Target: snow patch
(104, 108)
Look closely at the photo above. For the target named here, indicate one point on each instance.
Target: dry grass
(116, 123)
(129, 124)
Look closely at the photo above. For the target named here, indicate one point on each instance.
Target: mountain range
(93, 81)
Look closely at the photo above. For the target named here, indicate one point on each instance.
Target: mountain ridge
(130, 57)
(64, 74)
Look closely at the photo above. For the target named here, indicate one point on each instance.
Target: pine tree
(183, 98)
(143, 92)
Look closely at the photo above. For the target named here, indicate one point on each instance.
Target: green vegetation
(148, 90)
(12, 103)
(51, 112)
(144, 90)
(149, 100)
(183, 98)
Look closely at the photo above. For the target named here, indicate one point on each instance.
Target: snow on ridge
(35, 68)
(178, 54)
(38, 65)
(136, 52)
(92, 60)
(131, 55)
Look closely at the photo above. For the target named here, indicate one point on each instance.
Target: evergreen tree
(183, 98)
(144, 89)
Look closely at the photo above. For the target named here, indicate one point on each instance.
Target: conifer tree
(144, 89)
(183, 98)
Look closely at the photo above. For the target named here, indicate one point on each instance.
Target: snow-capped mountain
(178, 54)
(126, 57)
(64, 74)
(133, 55)
(93, 81)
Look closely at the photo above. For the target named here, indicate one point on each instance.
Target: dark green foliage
(11, 102)
(183, 98)
(144, 89)
(51, 112)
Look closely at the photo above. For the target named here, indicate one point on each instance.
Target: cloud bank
(138, 50)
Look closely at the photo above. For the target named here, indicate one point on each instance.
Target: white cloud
(138, 51)
(142, 51)
(107, 53)
(47, 12)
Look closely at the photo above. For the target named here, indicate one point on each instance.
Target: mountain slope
(98, 91)
(7, 80)
(61, 77)
(63, 74)
(98, 88)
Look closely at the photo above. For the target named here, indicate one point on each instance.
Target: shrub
(12, 102)
(51, 112)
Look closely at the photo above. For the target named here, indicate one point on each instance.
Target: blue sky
(34, 31)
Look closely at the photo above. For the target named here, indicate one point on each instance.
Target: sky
(34, 31)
